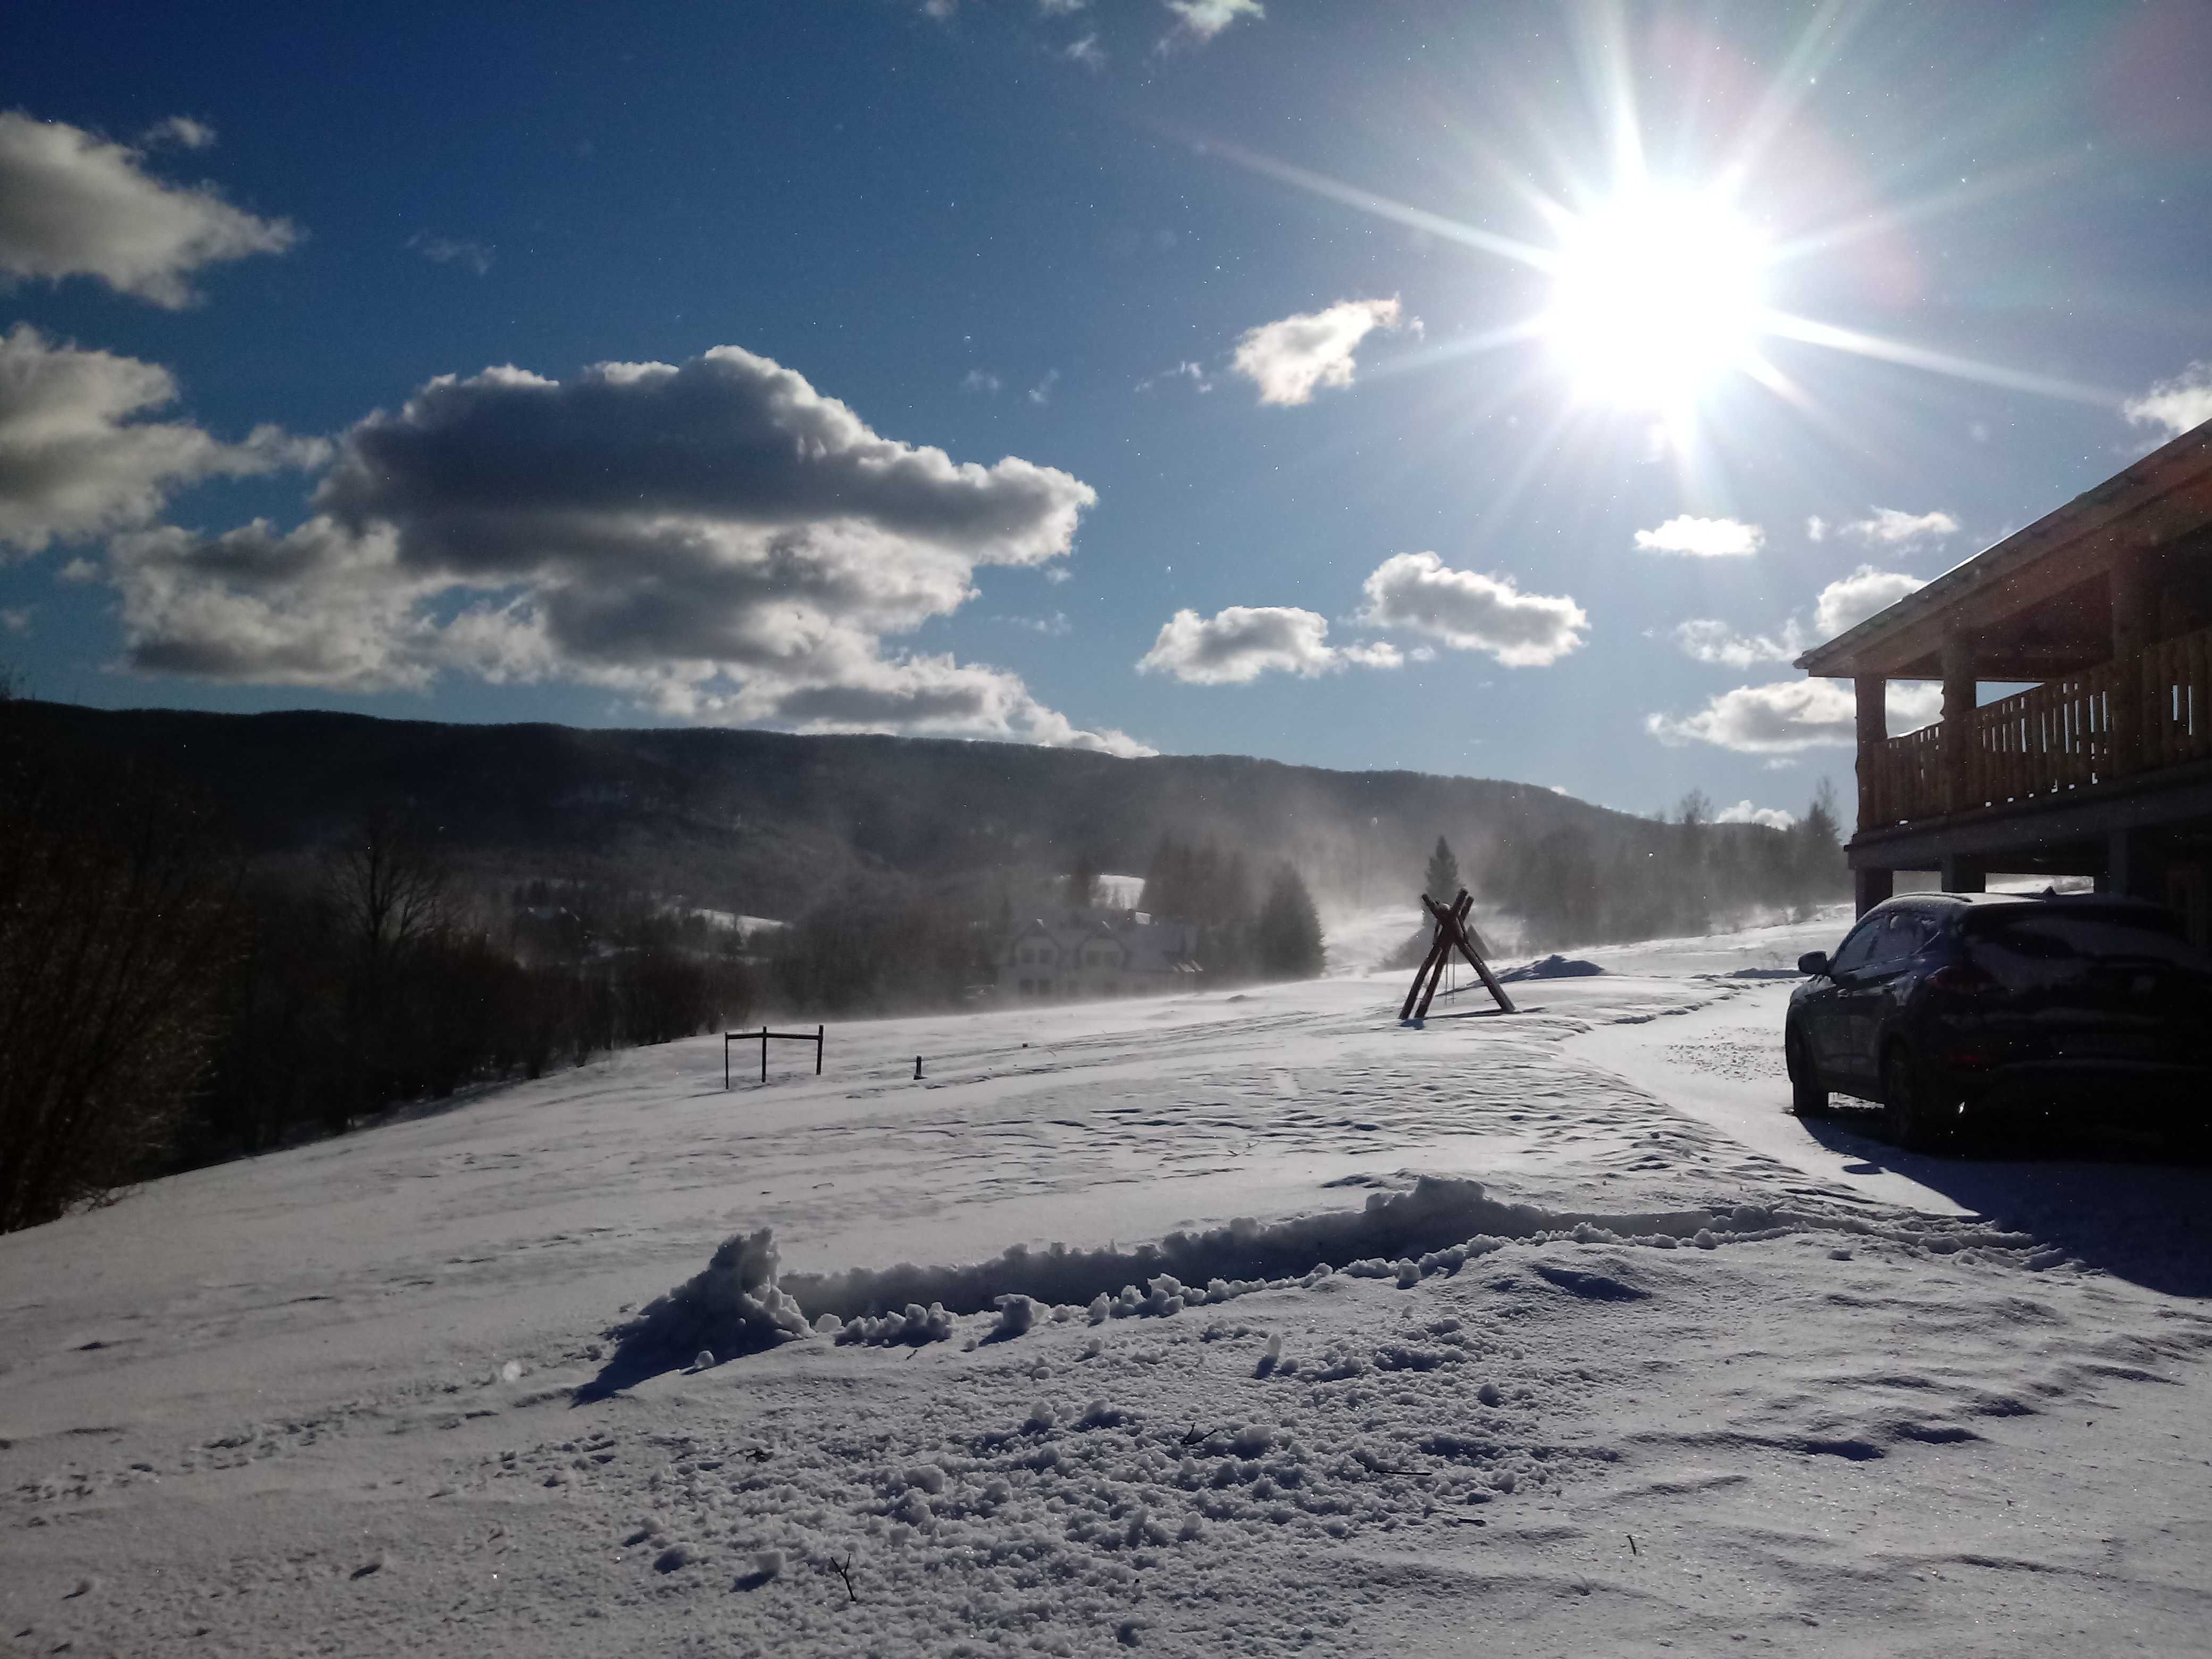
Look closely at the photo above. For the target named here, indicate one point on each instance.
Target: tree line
(1244, 930)
(166, 1001)
(1679, 876)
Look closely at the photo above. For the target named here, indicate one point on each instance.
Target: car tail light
(1963, 979)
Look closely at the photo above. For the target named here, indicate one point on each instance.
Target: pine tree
(1287, 936)
(1083, 881)
(1440, 882)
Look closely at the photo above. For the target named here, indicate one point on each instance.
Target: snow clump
(912, 1328)
(733, 1307)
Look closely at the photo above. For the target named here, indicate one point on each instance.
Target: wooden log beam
(1431, 972)
(1450, 928)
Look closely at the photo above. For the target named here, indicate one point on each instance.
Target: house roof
(2165, 495)
(1148, 946)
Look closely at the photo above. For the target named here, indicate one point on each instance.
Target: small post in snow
(917, 1068)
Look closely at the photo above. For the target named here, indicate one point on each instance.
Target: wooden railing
(1907, 780)
(2110, 721)
(2049, 738)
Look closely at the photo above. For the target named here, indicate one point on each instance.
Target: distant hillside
(767, 823)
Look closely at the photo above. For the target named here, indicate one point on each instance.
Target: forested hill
(771, 824)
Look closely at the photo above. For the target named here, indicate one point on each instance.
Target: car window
(1857, 946)
(2089, 937)
(1902, 932)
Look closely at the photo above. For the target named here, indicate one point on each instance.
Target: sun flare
(1655, 295)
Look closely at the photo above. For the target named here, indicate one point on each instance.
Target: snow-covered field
(1614, 1356)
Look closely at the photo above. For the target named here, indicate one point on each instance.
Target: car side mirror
(1814, 962)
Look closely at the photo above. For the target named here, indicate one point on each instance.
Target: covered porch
(2090, 634)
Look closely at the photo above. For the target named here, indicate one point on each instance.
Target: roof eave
(2165, 471)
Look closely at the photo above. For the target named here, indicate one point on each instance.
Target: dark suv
(1952, 1009)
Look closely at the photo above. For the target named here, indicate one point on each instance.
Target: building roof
(1149, 945)
(2167, 494)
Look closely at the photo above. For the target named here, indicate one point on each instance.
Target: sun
(1655, 296)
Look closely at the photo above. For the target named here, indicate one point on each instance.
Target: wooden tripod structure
(1451, 935)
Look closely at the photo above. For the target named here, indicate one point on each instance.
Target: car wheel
(1910, 1108)
(1808, 1096)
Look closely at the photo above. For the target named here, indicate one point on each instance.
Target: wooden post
(1961, 874)
(764, 1055)
(817, 1051)
(1958, 737)
(1872, 735)
(917, 1068)
(1870, 888)
(1421, 977)
(2129, 586)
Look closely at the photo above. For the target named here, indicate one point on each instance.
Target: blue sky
(1506, 389)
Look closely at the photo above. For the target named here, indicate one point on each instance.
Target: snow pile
(1438, 1213)
(741, 1303)
(733, 1307)
(1552, 967)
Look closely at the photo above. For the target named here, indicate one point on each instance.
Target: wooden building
(2090, 633)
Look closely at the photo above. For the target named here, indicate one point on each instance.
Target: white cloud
(75, 458)
(1289, 359)
(1744, 813)
(1040, 393)
(981, 380)
(1199, 20)
(717, 540)
(1850, 600)
(180, 131)
(1086, 51)
(1816, 529)
(1842, 605)
(75, 204)
(1702, 538)
(2180, 404)
(1195, 373)
(1056, 626)
(1060, 8)
(17, 620)
(1379, 654)
(1470, 611)
(453, 250)
(1891, 528)
(1791, 716)
(1710, 640)
(1239, 643)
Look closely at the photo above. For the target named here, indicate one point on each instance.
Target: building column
(2134, 865)
(2128, 583)
(1961, 874)
(1873, 695)
(1870, 887)
(1960, 743)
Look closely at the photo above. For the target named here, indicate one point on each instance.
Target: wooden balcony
(2117, 719)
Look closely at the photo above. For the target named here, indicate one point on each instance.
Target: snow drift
(742, 1303)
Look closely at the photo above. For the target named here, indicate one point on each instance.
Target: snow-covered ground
(1614, 1355)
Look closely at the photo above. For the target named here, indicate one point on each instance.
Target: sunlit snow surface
(360, 1397)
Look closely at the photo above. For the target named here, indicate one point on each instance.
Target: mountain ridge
(768, 822)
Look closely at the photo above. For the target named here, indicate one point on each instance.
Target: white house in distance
(1099, 953)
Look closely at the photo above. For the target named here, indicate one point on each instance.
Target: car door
(1865, 995)
(1825, 1009)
